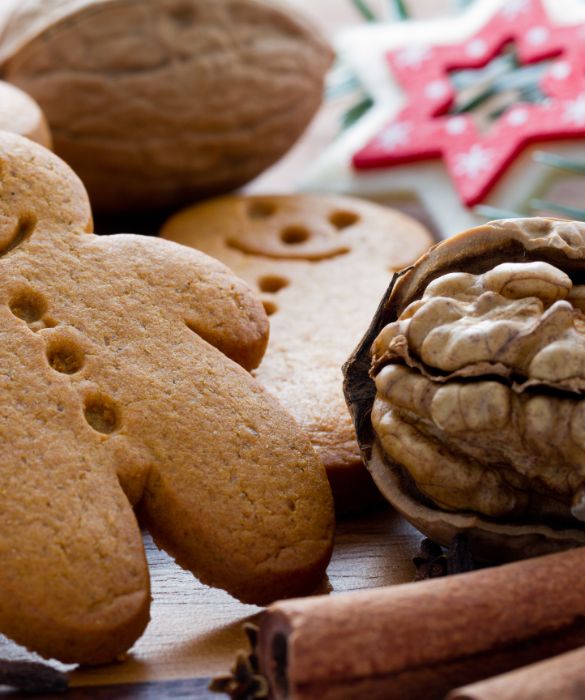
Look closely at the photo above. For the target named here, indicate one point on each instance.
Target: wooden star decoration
(425, 129)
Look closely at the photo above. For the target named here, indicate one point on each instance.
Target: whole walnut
(157, 102)
(20, 114)
(467, 391)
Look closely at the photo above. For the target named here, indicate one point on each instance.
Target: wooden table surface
(195, 631)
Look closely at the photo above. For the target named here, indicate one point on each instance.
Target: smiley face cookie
(116, 390)
(320, 264)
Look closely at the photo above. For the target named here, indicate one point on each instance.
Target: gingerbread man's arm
(202, 293)
(40, 195)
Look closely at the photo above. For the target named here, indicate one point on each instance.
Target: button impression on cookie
(101, 413)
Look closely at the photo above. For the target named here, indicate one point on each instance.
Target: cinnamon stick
(561, 677)
(423, 639)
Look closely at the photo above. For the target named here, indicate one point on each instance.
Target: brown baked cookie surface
(20, 114)
(320, 264)
(114, 393)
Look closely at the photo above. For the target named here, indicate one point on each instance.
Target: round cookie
(321, 264)
(20, 114)
(115, 391)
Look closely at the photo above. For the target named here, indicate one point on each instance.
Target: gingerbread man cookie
(115, 391)
(321, 264)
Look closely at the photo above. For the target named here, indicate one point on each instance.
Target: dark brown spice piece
(245, 682)
(459, 558)
(32, 677)
(429, 561)
(432, 561)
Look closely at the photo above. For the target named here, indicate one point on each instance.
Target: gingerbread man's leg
(73, 581)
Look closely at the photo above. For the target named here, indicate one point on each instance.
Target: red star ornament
(423, 128)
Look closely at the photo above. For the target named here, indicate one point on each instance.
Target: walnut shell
(467, 389)
(155, 103)
(20, 114)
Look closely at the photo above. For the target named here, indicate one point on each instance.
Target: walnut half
(467, 390)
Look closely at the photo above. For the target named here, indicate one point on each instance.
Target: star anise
(433, 561)
(245, 682)
(32, 677)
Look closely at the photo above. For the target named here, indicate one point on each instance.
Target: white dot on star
(476, 48)
(517, 117)
(395, 135)
(560, 70)
(575, 111)
(537, 35)
(473, 162)
(436, 90)
(413, 56)
(456, 125)
(513, 8)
